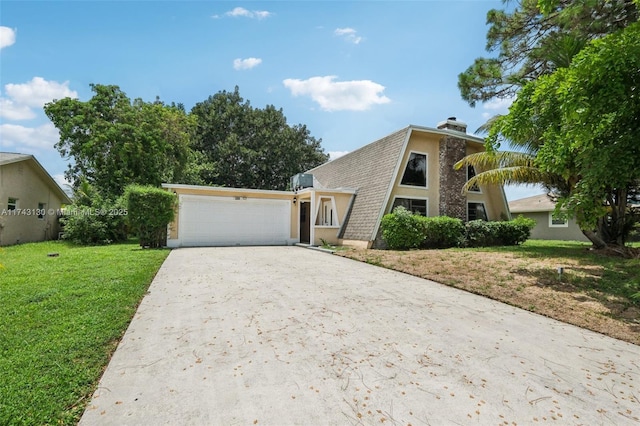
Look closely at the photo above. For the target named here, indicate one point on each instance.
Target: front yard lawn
(595, 291)
(61, 318)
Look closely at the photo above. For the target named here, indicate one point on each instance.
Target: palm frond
(516, 175)
(484, 129)
(494, 160)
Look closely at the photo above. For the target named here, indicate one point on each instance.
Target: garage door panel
(220, 221)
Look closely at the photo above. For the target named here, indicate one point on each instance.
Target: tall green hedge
(442, 232)
(150, 210)
(403, 230)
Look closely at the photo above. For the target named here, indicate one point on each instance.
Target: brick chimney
(453, 202)
(452, 123)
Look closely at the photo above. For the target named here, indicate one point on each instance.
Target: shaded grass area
(585, 269)
(595, 291)
(60, 321)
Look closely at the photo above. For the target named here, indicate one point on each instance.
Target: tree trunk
(595, 238)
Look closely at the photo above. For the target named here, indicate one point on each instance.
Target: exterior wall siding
(23, 181)
(542, 230)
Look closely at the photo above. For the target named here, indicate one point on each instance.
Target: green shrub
(515, 231)
(442, 232)
(150, 210)
(402, 230)
(95, 221)
(480, 233)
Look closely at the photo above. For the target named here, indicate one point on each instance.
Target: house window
(12, 204)
(558, 220)
(415, 174)
(471, 172)
(326, 214)
(41, 210)
(476, 211)
(414, 205)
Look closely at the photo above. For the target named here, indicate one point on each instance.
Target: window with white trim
(326, 213)
(558, 220)
(12, 203)
(414, 205)
(415, 172)
(471, 172)
(41, 210)
(476, 211)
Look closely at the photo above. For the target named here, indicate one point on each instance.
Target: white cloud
(7, 37)
(499, 105)
(12, 111)
(242, 12)
(246, 64)
(42, 138)
(22, 98)
(38, 91)
(355, 95)
(336, 154)
(62, 181)
(349, 34)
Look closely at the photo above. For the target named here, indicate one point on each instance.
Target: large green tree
(113, 141)
(526, 43)
(581, 127)
(249, 147)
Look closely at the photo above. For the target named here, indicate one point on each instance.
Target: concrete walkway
(285, 335)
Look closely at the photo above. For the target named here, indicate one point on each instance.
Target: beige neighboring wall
(27, 182)
(543, 231)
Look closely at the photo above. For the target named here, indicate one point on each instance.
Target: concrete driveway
(286, 335)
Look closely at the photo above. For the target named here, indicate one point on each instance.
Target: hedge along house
(344, 200)
(30, 200)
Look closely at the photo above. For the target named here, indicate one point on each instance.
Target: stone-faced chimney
(452, 123)
(453, 202)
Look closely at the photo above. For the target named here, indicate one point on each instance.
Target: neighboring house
(548, 226)
(345, 199)
(29, 200)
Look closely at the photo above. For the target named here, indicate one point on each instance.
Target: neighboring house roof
(372, 169)
(12, 157)
(537, 203)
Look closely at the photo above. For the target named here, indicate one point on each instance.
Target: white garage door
(230, 221)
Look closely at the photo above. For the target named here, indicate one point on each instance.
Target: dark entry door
(305, 222)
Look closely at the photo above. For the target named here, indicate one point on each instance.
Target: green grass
(620, 277)
(60, 320)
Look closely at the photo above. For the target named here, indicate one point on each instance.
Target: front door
(305, 222)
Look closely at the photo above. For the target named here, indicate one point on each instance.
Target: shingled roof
(13, 157)
(370, 169)
(536, 203)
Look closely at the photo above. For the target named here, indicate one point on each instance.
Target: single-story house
(548, 226)
(344, 200)
(30, 200)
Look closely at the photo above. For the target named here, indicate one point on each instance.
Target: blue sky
(352, 72)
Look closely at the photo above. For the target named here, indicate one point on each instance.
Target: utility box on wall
(302, 180)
